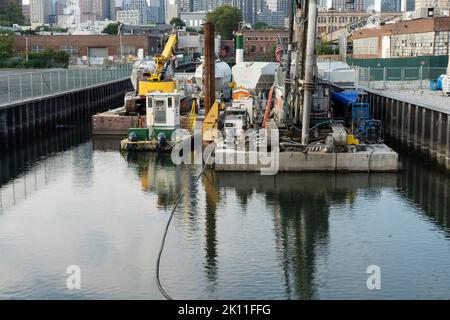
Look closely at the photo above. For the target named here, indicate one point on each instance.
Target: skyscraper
(60, 5)
(140, 5)
(100, 8)
(248, 9)
(112, 9)
(40, 10)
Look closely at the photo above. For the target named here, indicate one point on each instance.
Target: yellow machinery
(210, 124)
(155, 81)
(351, 140)
(192, 117)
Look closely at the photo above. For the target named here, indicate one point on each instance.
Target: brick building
(258, 44)
(420, 37)
(332, 20)
(90, 46)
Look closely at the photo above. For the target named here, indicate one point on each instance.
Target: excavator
(156, 79)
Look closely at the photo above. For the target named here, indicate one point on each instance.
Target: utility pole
(209, 67)
(26, 48)
(120, 40)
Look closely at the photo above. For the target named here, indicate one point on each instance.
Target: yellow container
(146, 87)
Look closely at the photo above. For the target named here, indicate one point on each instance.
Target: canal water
(72, 200)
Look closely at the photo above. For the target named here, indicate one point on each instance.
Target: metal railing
(397, 78)
(16, 87)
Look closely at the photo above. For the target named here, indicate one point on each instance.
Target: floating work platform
(376, 158)
(115, 122)
(149, 145)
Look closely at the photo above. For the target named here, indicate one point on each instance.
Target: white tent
(258, 76)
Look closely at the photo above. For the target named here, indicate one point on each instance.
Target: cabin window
(150, 103)
(169, 102)
(160, 112)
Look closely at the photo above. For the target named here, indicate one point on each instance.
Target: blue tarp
(346, 97)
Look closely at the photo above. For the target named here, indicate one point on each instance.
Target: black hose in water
(161, 249)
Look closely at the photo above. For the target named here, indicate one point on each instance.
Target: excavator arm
(166, 55)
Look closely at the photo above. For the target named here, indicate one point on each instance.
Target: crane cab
(163, 113)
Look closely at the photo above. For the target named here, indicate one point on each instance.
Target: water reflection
(26, 169)
(427, 187)
(236, 235)
(212, 199)
(159, 176)
(300, 204)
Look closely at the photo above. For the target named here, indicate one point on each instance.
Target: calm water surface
(235, 236)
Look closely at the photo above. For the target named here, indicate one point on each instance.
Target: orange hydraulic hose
(269, 103)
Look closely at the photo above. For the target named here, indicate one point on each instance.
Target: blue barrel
(433, 85)
(439, 82)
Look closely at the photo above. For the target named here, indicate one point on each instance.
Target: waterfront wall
(421, 128)
(401, 62)
(25, 121)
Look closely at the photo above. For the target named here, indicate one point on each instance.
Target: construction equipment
(192, 117)
(155, 80)
(210, 127)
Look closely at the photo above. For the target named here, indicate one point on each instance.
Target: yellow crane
(155, 81)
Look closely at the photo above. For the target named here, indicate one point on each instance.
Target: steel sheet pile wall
(27, 120)
(418, 127)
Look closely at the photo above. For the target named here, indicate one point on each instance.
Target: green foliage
(260, 26)
(46, 59)
(177, 22)
(50, 29)
(190, 29)
(7, 45)
(226, 19)
(12, 14)
(112, 28)
(323, 48)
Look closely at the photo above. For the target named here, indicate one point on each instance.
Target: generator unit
(446, 85)
(364, 128)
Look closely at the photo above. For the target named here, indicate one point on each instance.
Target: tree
(112, 28)
(260, 26)
(226, 20)
(323, 48)
(177, 22)
(190, 29)
(7, 45)
(45, 28)
(12, 14)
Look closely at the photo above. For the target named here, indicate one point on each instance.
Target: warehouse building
(419, 37)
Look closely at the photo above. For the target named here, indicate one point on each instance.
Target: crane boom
(166, 55)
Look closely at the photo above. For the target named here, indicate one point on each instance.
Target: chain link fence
(397, 78)
(21, 86)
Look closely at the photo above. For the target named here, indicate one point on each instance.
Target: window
(129, 49)
(69, 49)
(160, 112)
(36, 48)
